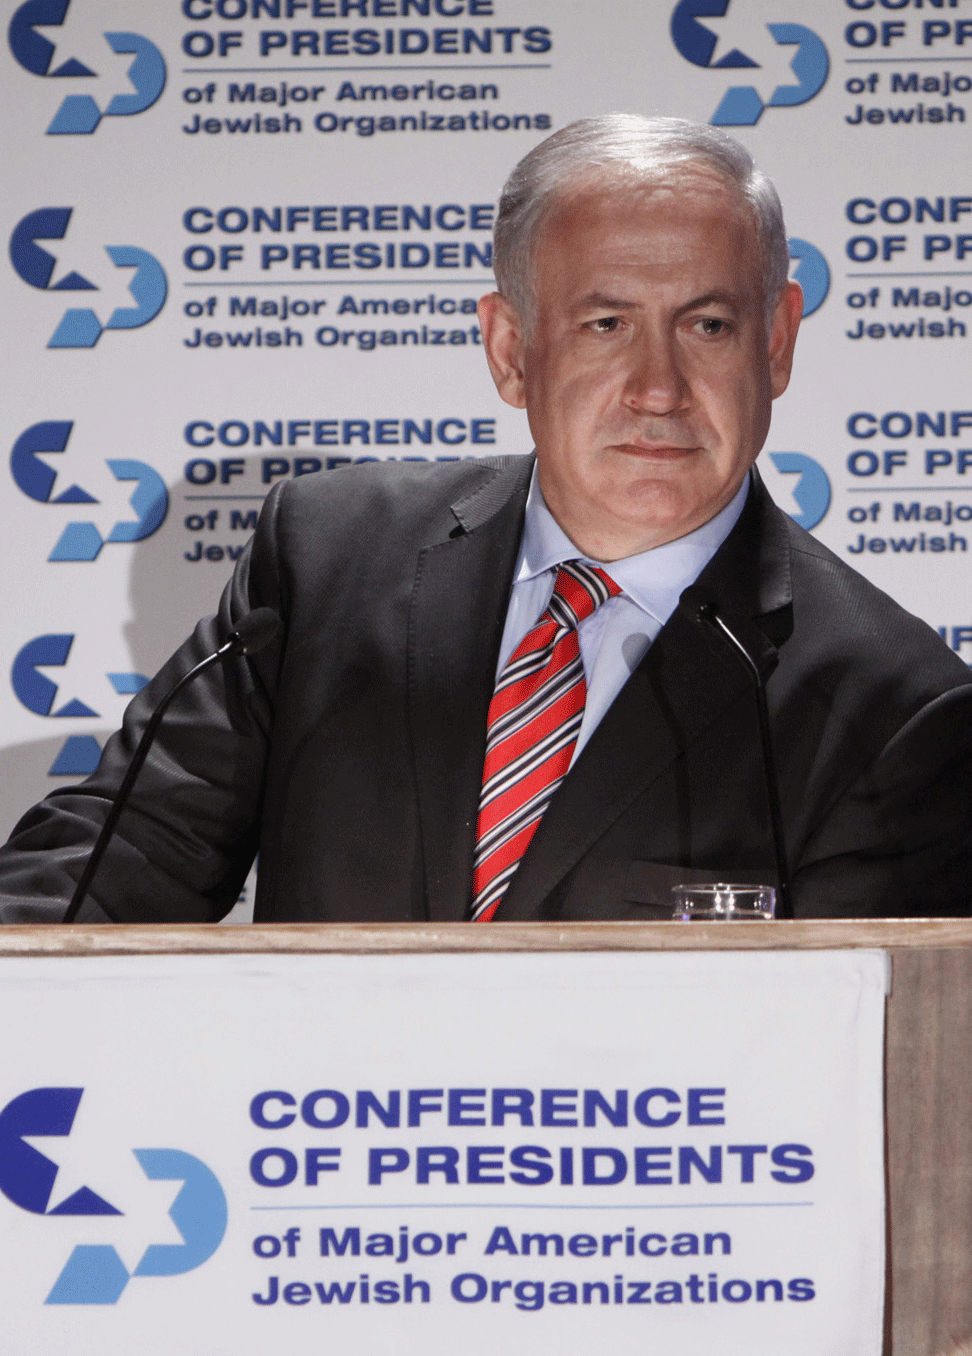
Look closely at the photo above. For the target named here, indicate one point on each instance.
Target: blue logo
(812, 273)
(82, 540)
(95, 1273)
(79, 113)
(80, 327)
(697, 32)
(80, 754)
(812, 490)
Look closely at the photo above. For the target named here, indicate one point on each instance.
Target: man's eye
(605, 324)
(711, 325)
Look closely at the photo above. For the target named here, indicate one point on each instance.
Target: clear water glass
(723, 903)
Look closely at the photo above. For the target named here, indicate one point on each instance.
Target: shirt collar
(653, 579)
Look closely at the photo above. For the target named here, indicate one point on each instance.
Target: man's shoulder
(839, 613)
(369, 485)
(384, 505)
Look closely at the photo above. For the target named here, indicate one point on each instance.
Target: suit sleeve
(898, 841)
(189, 833)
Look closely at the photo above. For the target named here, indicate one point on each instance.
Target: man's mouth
(659, 451)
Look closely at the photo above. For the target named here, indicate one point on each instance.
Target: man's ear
(782, 336)
(503, 342)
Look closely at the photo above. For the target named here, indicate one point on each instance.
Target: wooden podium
(928, 1059)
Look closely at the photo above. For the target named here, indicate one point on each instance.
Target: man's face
(649, 373)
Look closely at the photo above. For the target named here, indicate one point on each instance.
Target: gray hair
(629, 151)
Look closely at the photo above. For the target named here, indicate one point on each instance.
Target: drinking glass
(723, 903)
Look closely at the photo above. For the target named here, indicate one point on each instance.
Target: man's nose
(656, 384)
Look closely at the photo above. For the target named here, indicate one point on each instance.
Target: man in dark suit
(645, 321)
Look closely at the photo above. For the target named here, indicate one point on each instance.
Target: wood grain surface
(362, 938)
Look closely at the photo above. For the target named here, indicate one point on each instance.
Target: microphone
(252, 632)
(703, 609)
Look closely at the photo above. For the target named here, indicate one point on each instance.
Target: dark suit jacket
(351, 752)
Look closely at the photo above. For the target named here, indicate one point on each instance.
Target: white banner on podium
(674, 1152)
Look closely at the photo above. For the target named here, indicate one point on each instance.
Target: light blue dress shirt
(613, 641)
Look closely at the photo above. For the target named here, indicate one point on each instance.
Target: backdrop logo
(79, 113)
(704, 35)
(812, 489)
(80, 754)
(812, 273)
(95, 1273)
(82, 540)
(80, 327)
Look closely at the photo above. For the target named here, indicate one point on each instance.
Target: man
(645, 322)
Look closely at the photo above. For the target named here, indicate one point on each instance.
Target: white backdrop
(278, 227)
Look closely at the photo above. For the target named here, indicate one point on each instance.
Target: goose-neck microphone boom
(705, 610)
(252, 632)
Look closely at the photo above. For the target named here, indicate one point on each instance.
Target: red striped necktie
(531, 729)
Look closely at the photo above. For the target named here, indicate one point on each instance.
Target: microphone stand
(252, 632)
(707, 612)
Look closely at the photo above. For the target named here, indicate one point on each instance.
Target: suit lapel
(458, 611)
(686, 681)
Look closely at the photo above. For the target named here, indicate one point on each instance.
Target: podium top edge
(389, 938)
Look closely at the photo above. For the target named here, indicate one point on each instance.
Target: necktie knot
(579, 591)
